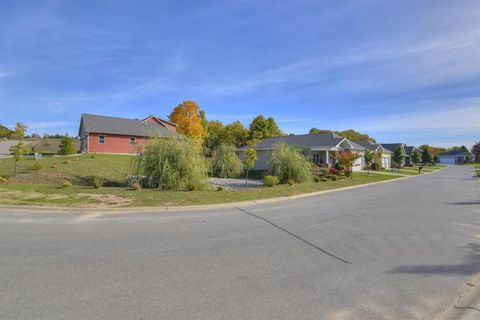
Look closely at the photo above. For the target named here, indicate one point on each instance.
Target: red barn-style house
(118, 135)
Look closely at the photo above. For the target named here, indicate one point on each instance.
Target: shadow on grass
(89, 181)
(470, 266)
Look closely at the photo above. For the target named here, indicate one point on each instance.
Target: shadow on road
(470, 266)
(466, 203)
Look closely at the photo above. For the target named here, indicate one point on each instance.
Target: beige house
(317, 147)
(384, 153)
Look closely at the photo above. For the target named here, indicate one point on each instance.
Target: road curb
(467, 304)
(228, 205)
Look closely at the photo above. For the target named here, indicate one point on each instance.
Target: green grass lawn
(112, 169)
(42, 194)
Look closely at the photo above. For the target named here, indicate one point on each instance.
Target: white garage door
(447, 160)
(357, 166)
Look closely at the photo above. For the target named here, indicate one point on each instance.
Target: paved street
(399, 250)
(5, 146)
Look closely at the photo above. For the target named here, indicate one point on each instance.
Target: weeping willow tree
(288, 163)
(226, 163)
(172, 164)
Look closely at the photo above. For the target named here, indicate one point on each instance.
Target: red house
(119, 135)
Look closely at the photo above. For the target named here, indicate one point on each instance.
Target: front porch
(321, 158)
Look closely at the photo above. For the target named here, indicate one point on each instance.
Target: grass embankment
(45, 186)
(38, 194)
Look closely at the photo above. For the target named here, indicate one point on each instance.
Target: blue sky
(401, 71)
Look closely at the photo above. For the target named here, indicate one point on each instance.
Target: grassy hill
(112, 169)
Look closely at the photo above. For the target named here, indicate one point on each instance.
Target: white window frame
(100, 139)
(134, 140)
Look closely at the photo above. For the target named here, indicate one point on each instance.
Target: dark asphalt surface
(399, 250)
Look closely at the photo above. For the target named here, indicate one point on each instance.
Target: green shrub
(333, 177)
(270, 181)
(226, 163)
(93, 155)
(3, 180)
(67, 162)
(53, 165)
(67, 146)
(347, 173)
(97, 182)
(291, 182)
(288, 163)
(67, 184)
(37, 166)
(172, 164)
(220, 188)
(317, 179)
(324, 179)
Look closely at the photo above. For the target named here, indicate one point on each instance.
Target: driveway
(400, 250)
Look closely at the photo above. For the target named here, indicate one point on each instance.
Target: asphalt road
(400, 250)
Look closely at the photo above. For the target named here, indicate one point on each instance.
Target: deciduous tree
(262, 128)
(346, 159)
(187, 116)
(368, 157)
(398, 157)
(250, 158)
(415, 157)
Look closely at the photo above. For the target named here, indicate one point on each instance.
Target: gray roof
(456, 153)
(393, 146)
(367, 144)
(409, 150)
(320, 140)
(121, 126)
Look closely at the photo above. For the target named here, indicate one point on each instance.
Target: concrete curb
(467, 306)
(228, 205)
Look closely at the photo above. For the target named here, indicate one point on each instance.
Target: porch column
(327, 160)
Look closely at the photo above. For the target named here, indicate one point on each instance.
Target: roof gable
(121, 126)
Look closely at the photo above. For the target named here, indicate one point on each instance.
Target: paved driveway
(400, 250)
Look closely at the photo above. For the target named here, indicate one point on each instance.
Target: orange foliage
(186, 115)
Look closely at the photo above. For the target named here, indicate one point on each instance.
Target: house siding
(113, 143)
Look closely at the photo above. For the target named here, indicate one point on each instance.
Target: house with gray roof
(456, 157)
(393, 147)
(408, 154)
(119, 135)
(317, 147)
(384, 154)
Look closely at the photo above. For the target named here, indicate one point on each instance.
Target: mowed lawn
(112, 169)
(45, 186)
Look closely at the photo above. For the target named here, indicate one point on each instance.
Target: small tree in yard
(172, 164)
(415, 157)
(287, 163)
(250, 158)
(226, 163)
(426, 156)
(398, 157)
(67, 146)
(19, 150)
(436, 159)
(346, 159)
(368, 157)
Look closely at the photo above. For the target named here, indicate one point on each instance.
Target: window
(133, 141)
(101, 139)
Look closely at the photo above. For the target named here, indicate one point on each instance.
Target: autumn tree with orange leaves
(187, 116)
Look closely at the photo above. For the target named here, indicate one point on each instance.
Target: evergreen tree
(67, 146)
(426, 157)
